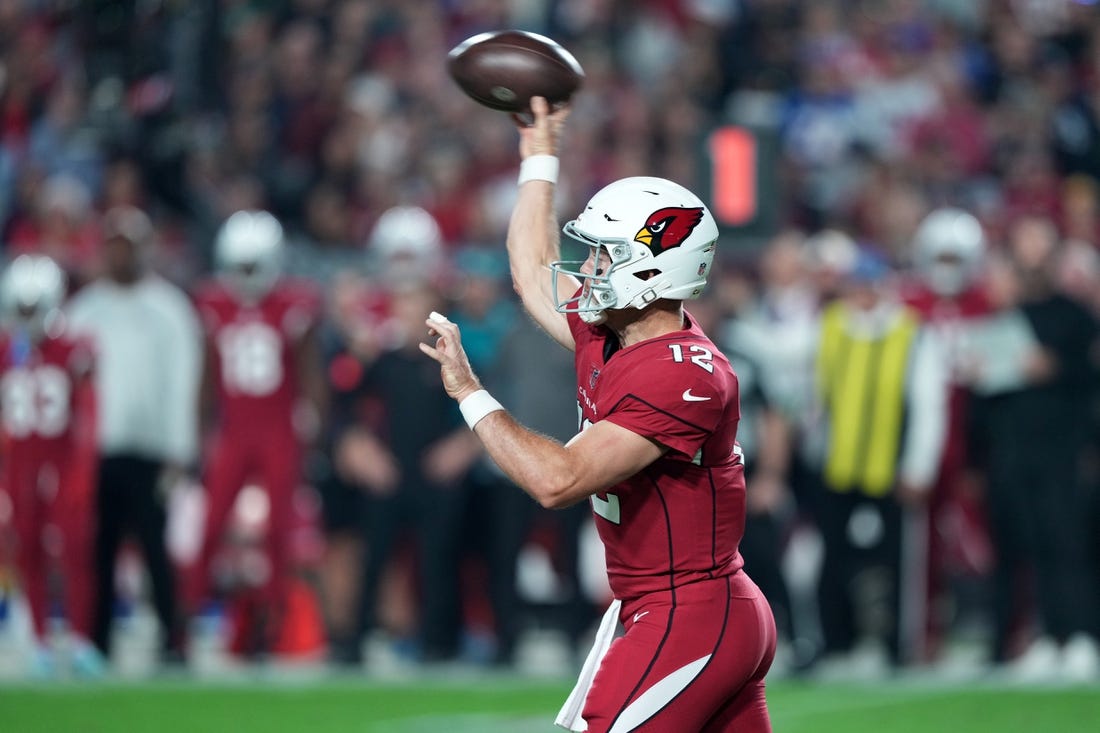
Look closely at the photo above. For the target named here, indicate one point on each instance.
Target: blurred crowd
(232, 217)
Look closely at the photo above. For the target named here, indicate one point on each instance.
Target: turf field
(499, 704)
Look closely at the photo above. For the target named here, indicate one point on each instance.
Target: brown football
(504, 69)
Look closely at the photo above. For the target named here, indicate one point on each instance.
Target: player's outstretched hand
(541, 134)
(454, 367)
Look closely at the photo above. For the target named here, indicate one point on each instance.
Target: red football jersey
(43, 393)
(948, 317)
(254, 343)
(681, 518)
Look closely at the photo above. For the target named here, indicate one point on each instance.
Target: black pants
(499, 519)
(860, 582)
(433, 515)
(1039, 522)
(762, 548)
(129, 503)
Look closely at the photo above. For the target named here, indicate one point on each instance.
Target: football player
(946, 289)
(656, 454)
(263, 393)
(47, 432)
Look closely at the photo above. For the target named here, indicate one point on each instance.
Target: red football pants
(55, 529)
(274, 463)
(692, 660)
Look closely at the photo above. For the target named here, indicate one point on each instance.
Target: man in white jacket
(148, 342)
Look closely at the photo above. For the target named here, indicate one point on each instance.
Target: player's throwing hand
(540, 135)
(454, 367)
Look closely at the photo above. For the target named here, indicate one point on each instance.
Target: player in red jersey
(264, 379)
(656, 454)
(946, 290)
(48, 452)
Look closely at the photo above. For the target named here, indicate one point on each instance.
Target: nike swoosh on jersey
(689, 397)
(639, 615)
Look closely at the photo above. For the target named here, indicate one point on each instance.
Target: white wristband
(538, 168)
(477, 405)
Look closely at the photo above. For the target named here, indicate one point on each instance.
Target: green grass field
(496, 705)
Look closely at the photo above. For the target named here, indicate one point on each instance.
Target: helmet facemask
(596, 295)
(255, 278)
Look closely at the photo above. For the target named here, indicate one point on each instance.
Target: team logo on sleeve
(593, 377)
(668, 227)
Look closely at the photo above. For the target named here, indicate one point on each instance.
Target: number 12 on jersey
(701, 356)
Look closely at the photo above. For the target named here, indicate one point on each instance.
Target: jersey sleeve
(677, 404)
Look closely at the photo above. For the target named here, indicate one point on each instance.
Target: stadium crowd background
(328, 113)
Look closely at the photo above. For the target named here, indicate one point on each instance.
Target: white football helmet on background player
(659, 240)
(948, 249)
(406, 244)
(31, 292)
(248, 251)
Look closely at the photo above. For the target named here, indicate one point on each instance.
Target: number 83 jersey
(681, 518)
(39, 385)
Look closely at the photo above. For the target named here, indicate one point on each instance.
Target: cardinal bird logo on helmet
(669, 227)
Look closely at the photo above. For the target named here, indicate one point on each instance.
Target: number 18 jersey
(681, 518)
(253, 347)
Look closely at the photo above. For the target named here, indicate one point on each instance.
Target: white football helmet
(248, 251)
(645, 225)
(948, 249)
(405, 244)
(31, 293)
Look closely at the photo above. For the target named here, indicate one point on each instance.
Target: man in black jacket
(1035, 438)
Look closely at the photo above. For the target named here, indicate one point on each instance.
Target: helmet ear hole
(647, 274)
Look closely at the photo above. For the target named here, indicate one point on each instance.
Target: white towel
(570, 715)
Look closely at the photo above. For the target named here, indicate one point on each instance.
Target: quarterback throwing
(656, 454)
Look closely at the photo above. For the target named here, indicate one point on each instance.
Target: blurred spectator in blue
(819, 121)
(61, 141)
